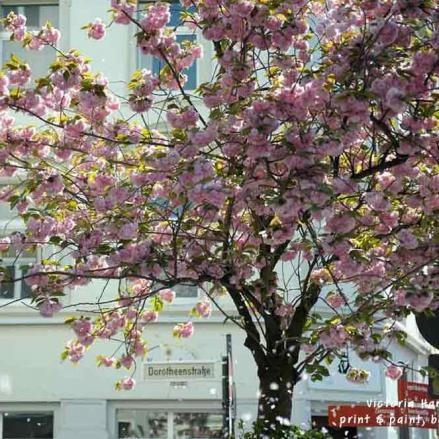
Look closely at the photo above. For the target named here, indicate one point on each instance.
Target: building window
(198, 425)
(182, 291)
(185, 291)
(147, 424)
(14, 266)
(21, 425)
(37, 15)
(183, 34)
(142, 423)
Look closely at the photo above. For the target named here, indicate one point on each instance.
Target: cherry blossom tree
(313, 146)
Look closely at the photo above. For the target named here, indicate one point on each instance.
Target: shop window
(37, 14)
(147, 424)
(142, 424)
(198, 425)
(21, 425)
(14, 265)
(183, 34)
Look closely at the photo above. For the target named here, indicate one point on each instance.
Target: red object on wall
(413, 391)
(365, 416)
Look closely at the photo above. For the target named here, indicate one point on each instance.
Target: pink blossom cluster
(202, 309)
(96, 30)
(144, 85)
(16, 24)
(123, 10)
(393, 372)
(183, 330)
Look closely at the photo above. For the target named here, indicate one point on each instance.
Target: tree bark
(276, 383)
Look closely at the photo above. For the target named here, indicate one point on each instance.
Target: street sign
(392, 416)
(179, 370)
(429, 327)
(433, 376)
(413, 391)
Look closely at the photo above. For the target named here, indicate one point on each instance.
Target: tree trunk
(276, 382)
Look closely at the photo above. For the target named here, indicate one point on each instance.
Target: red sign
(413, 391)
(365, 416)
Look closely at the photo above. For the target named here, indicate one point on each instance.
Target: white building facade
(179, 386)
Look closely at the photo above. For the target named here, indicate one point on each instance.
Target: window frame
(16, 263)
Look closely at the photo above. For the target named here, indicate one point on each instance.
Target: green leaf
(157, 304)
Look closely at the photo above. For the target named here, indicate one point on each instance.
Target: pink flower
(128, 231)
(51, 35)
(336, 337)
(203, 309)
(183, 330)
(127, 384)
(335, 300)
(388, 34)
(17, 25)
(127, 361)
(167, 295)
(407, 239)
(156, 18)
(21, 76)
(4, 244)
(340, 224)
(97, 30)
(74, 351)
(123, 9)
(420, 302)
(376, 201)
(395, 100)
(400, 297)
(393, 372)
(82, 327)
(4, 83)
(36, 43)
(105, 361)
(48, 308)
(182, 120)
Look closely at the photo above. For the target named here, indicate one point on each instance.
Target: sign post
(404, 429)
(413, 391)
(228, 391)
